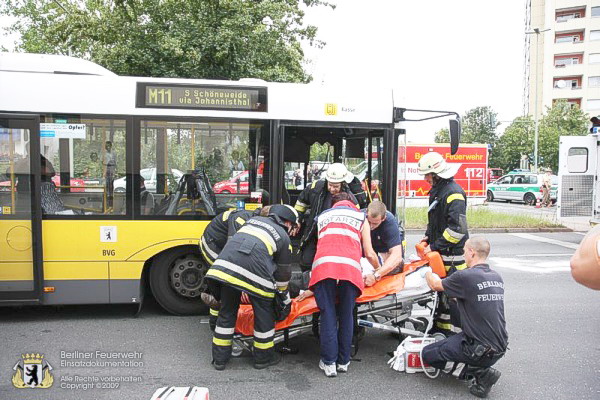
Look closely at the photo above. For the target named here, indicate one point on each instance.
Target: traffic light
(595, 125)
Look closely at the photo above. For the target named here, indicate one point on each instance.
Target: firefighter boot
(482, 380)
(273, 359)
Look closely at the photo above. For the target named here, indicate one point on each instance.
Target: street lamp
(537, 32)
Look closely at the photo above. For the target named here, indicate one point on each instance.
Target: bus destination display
(202, 97)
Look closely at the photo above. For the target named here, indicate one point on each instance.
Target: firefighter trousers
(447, 316)
(264, 326)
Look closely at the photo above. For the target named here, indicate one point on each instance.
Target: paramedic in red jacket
(337, 274)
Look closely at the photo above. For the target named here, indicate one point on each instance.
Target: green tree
(518, 138)
(442, 136)
(560, 120)
(215, 39)
(516, 141)
(479, 126)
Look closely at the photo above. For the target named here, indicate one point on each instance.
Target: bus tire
(162, 289)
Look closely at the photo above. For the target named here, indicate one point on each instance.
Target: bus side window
(89, 168)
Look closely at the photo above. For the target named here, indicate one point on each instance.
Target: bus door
(309, 150)
(20, 209)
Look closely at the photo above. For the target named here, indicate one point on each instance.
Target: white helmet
(337, 172)
(434, 163)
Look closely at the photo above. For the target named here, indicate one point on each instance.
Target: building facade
(562, 62)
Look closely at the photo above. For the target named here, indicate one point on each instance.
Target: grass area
(481, 217)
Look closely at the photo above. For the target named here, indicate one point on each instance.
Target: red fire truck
(472, 174)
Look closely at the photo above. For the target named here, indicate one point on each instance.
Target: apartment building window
(563, 60)
(594, 81)
(567, 82)
(568, 14)
(595, 58)
(593, 104)
(595, 12)
(570, 37)
(595, 35)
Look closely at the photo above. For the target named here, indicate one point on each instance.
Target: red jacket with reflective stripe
(339, 247)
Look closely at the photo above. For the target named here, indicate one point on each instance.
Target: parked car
(237, 184)
(77, 184)
(149, 175)
(520, 186)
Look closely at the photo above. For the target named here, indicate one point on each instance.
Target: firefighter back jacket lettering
(219, 230)
(256, 260)
(311, 202)
(447, 227)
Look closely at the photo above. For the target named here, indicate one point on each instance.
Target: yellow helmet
(434, 163)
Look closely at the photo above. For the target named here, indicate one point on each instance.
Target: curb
(499, 230)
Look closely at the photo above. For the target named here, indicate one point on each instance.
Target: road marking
(546, 240)
(545, 255)
(580, 233)
(542, 267)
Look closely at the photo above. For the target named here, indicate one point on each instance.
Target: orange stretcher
(387, 303)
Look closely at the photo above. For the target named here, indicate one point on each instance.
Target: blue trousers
(336, 340)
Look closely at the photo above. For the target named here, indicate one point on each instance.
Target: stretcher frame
(390, 313)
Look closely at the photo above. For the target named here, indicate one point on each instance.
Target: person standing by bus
(336, 277)
(446, 229)
(255, 261)
(313, 200)
(110, 168)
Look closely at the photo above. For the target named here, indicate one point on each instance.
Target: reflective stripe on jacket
(256, 260)
(447, 218)
(339, 247)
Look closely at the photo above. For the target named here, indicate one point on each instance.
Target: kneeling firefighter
(446, 229)
(255, 261)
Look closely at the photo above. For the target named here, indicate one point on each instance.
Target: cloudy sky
(435, 54)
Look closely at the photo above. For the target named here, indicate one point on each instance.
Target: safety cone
(538, 203)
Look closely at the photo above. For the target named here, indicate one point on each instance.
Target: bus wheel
(529, 199)
(177, 279)
(489, 196)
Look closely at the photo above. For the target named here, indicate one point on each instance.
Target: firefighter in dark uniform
(446, 229)
(316, 198)
(479, 291)
(255, 261)
(214, 238)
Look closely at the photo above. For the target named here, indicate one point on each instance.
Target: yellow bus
(107, 182)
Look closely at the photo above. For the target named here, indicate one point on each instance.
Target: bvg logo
(32, 371)
(330, 109)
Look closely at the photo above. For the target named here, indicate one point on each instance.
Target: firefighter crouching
(255, 261)
(446, 229)
(214, 238)
(479, 291)
(316, 198)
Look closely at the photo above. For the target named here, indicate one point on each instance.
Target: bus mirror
(454, 135)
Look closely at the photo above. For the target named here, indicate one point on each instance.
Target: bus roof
(65, 85)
